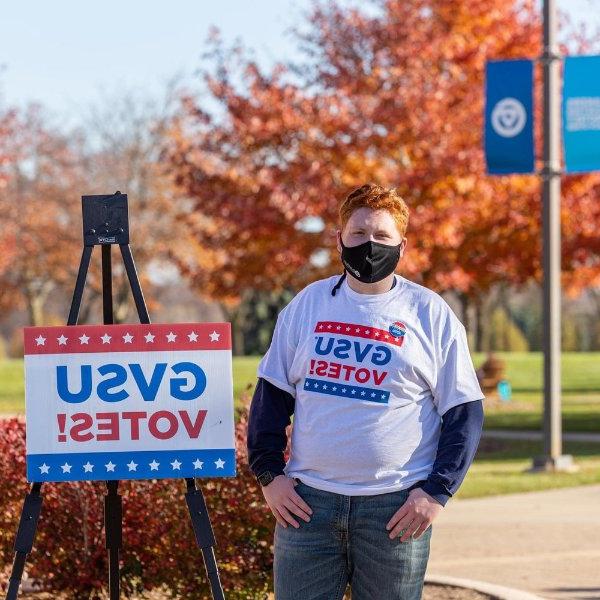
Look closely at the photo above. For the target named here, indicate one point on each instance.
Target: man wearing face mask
(387, 409)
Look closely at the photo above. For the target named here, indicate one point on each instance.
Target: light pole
(552, 459)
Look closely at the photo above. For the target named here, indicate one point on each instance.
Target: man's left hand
(415, 515)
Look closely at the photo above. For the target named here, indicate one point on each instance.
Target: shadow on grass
(500, 450)
(538, 389)
(584, 421)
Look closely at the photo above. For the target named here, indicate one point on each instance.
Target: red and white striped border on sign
(127, 338)
(361, 331)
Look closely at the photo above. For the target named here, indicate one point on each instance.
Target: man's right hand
(283, 501)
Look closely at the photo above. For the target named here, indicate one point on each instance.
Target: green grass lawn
(580, 398)
(499, 465)
(580, 370)
(580, 373)
(12, 395)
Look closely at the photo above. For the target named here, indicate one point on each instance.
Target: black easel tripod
(105, 222)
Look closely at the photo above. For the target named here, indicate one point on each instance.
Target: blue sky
(63, 53)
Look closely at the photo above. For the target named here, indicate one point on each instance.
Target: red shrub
(158, 543)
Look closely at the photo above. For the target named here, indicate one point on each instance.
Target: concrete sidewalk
(546, 543)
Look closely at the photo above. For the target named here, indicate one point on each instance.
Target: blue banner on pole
(581, 113)
(509, 117)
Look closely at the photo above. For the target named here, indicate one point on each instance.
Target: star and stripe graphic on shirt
(360, 331)
(335, 388)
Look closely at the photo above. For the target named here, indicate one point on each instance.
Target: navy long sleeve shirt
(271, 410)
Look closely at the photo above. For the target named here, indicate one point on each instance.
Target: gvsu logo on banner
(129, 402)
(509, 117)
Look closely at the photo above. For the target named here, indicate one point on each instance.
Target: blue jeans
(346, 542)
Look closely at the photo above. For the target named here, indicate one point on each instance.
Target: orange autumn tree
(36, 204)
(390, 92)
(44, 173)
(128, 130)
(7, 239)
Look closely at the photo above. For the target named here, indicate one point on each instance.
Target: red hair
(376, 197)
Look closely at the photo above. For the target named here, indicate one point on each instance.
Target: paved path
(511, 434)
(546, 543)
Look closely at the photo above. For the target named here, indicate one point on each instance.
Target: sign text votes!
(129, 402)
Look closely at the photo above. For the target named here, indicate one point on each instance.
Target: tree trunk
(35, 308)
(478, 323)
(36, 296)
(464, 308)
(235, 317)
(505, 321)
(121, 300)
(86, 308)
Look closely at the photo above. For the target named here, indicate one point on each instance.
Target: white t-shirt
(371, 374)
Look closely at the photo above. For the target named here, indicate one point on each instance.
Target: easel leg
(113, 505)
(113, 516)
(194, 498)
(25, 537)
(79, 285)
(134, 283)
(205, 538)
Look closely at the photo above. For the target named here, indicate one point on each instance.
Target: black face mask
(370, 262)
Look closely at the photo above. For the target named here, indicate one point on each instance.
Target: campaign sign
(136, 401)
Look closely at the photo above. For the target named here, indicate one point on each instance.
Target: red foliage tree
(391, 92)
(37, 208)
